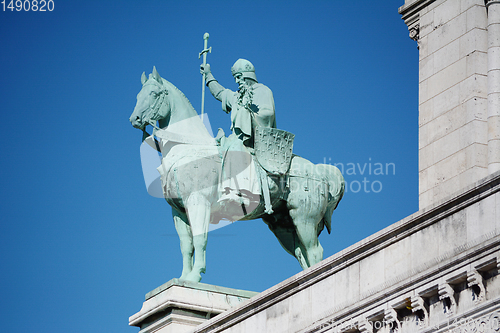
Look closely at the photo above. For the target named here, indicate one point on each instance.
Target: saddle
(272, 154)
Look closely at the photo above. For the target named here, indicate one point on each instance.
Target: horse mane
(183, 124)
(183, 98)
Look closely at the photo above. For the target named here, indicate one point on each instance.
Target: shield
(273, 149)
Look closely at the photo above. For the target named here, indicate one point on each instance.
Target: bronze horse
(303, 201)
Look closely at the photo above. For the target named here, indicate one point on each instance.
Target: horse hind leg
(289, 240)
(307, 204)
(307, 232)
(186, 240)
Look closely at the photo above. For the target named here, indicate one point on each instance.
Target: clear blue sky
(81, 241)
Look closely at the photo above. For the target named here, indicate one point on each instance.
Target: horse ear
(143, 78)
(156, 76)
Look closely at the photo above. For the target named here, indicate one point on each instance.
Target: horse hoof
(193, 277)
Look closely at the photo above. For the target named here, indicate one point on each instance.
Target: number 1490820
(28, 5)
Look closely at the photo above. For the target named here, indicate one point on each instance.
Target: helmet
(244, 67)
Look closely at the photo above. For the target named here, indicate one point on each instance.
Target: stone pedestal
(179, 306)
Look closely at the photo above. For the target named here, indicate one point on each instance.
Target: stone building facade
(459, 92)
(434, 271)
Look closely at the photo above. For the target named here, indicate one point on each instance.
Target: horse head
(159, 100)
(152, 102)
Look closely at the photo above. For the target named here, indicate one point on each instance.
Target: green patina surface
(236, 177)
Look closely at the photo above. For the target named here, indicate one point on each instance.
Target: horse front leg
(186, 239)
(198, 212)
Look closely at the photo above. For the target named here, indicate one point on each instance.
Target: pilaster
(493, 7)
(452, 38)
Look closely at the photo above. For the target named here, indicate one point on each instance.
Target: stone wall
(453, 85)
(432, 271)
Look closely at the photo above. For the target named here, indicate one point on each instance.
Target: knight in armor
(251, 106)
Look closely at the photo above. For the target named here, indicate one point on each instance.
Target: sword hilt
(206, 49)
(209, 50)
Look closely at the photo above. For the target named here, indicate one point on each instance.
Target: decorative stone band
(489, 323)
(391, 319)
(483, 319)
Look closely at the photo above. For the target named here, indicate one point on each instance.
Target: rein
(145, 135)
(155, 115)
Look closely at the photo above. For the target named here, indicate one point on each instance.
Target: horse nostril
(137, 118)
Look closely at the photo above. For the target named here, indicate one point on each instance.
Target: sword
(204, 53)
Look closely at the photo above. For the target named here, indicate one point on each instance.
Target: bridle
(155, 108)
(155, 113)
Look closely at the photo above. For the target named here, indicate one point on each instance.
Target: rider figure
(252, 105)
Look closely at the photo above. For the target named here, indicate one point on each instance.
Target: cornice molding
(490, 2)
(410, 11)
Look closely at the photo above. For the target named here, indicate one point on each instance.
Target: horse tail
(336, 187)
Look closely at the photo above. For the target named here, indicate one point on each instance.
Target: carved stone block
(446, 294)
(365, 326)
(391, 319)
(418, 304)
(475, 281)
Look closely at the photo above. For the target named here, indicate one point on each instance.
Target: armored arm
(215, 87)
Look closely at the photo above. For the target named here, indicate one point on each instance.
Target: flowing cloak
(261, 104)
(254, 108)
